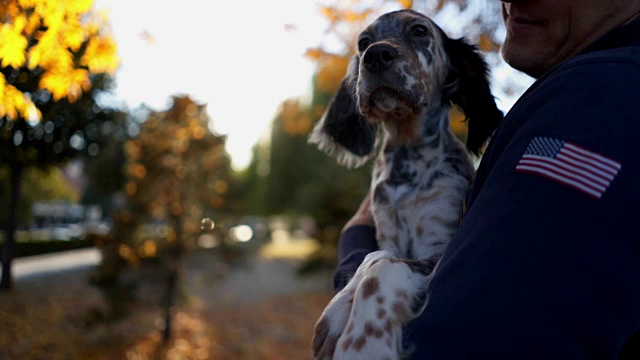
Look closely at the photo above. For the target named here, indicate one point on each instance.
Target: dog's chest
(400, 174)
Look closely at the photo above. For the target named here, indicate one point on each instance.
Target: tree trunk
(9, 246)
(169, 298)
(173, 278)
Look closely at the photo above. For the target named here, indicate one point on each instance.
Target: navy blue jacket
(544, 267)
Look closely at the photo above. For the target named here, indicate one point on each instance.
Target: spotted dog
(395, 102)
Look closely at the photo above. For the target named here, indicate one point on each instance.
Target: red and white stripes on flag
(569, 164)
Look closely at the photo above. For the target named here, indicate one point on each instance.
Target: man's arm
(540, 269)
(358, 238)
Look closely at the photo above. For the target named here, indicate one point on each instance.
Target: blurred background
(158, 196)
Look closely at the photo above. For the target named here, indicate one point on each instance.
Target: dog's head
(405, 65)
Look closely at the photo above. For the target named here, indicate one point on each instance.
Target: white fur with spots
(420, 176)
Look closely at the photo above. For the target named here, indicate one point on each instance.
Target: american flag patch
(570, 165)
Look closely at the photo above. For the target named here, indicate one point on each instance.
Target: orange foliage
(58, 29)
(458, 124)
(331, 70)
(346, 20)
(487, 43)
(176, 168)
(296, 120)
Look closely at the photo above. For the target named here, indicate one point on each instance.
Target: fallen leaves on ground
(46, 318)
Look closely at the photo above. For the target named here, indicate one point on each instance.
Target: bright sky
(242, 58)
(236, 56)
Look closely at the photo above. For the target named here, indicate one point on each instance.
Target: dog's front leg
(390, 294)
(333, 320)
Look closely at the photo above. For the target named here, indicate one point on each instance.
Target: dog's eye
(419, 30)
(363, 44)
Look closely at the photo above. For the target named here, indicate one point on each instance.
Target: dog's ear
(469, 88)
(342, 132)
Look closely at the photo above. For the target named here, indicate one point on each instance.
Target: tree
(55, 58)
(38, 184)
(177, 171)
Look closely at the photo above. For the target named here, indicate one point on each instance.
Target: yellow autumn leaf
(407, 4)
(14, 102)
(330, 13)
(314, 54)
(100, 55)
(331, 71)
(80, 6)
(54, 30)
(12, 45)
(66, 83)
(352, 16)
(32, 24)
(487, 43)
(8, 9)
(457, 122)
(73, 36)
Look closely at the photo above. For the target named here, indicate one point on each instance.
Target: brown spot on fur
(369, 329)
(381, 313)
(387, 326)
(400, 310)
(420, 230)
(402, 294)
(350, 327)
(346, 344)
(372, 330)
(380, 299)
(359, 344)
(370, 287)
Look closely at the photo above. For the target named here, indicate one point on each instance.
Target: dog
(395, 101)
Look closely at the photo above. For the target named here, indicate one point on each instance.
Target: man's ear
(469, 88)
(342, 132)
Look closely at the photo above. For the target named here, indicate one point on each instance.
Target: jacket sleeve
(538, 269)
(353, 246)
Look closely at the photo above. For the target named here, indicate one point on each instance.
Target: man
(546, 262)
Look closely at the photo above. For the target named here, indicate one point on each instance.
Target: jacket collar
(627, 35)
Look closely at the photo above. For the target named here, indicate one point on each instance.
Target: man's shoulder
(612, 67)
(590, 100)
(621, 55)
(595, 80)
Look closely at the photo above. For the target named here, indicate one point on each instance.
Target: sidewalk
(55, 263)
(258, 308)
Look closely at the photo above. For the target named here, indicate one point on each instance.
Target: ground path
(255, 308)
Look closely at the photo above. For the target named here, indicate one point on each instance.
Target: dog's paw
(333, 320)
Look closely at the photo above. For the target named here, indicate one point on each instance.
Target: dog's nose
(379, 57)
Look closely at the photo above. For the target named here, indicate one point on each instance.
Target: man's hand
(363, 215)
